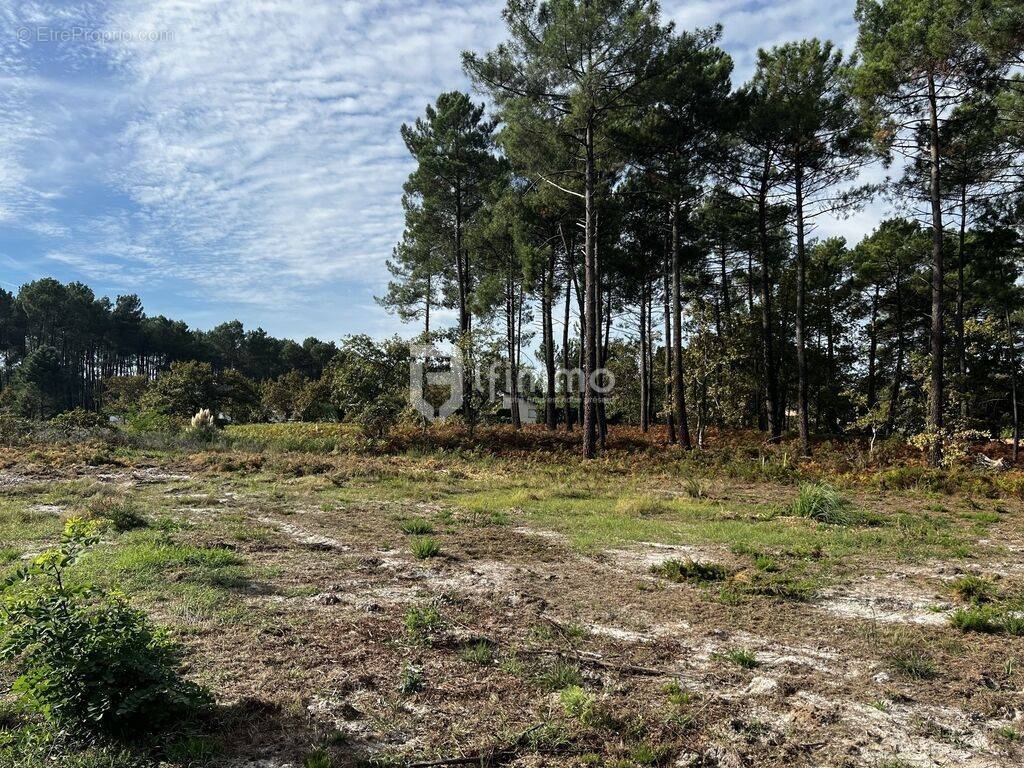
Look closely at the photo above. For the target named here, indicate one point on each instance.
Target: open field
(460, 608)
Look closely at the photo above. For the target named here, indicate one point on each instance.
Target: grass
(974, 589)
(121, 513)
(558, 676)
(912, 661)
(425, 548)
(988, 619)
(480, 652)
(690, 570)
(192, 569)
(823, 504)
(423, 623)
(416, 527)
(740, 657)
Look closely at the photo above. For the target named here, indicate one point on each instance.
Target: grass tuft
(690, 570)
(426, 547)
(740, 657)
(416, 527)
(423, 623)
(559, 676)
(824, 504)
(974, 589)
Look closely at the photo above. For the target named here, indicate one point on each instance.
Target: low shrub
(86, 661)
(121, 513)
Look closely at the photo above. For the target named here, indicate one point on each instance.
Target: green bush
(151, 421)
(86, 661)
(77, 419)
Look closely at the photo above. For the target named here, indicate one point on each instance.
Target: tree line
(61, 345)
(620, 185)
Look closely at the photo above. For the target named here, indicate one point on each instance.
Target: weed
(697, 488)
(122, 513)
(974, 589)
(913, 662)
(579, 705)
(426, 547)
(318, 759)
(1008, 733)
(481, 652)
(977, 619)
(412, 680)
(416, 527)
(559, 676)
(423, 623)
(690, 570)
(740, 657)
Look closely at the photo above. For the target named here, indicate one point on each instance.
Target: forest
(619, 204)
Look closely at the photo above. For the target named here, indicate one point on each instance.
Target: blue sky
(241, 158)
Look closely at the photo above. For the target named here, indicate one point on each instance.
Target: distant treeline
(92, 339)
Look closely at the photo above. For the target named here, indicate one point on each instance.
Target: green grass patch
(690, 570)
(416, 527)
(426, 547)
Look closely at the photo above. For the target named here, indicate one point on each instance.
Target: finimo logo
(429, 374)
(419, 377)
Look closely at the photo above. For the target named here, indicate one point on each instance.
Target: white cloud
(250, 152)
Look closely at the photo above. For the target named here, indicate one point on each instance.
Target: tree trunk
(1013, 385)
(873, 350)
(678, 383)
(897, 374)
(551, 397)
(801, 312)
(590, 299)
(669, 411)
(767, 330)
(565, 357)
(961, 348)
(935, 410)
(645, 424)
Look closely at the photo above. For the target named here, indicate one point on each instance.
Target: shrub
(822, 503)
(149, 421)
(78, 419)
(123, 514)
(426, 547)
(86, 660)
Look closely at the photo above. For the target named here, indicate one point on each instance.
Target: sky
(241, 159)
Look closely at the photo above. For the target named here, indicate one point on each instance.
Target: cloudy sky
(241, 158)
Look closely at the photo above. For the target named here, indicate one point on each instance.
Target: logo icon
(425, 372)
